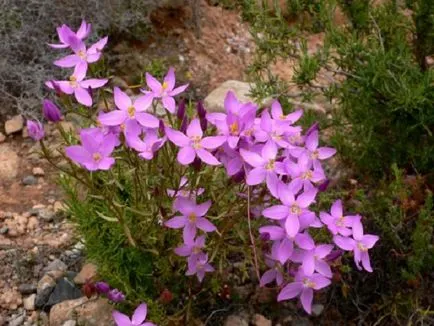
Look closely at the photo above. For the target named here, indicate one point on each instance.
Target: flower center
(192, 217)
(165, 86)
(276, 136)
(96, 157)
(131, 111)
(282, 117)
(295, 210)
(122, 127)
(248, 132)
(314, 155)
(73, 81)
(196, 142)
(196, 250)
(308, 283)
(340, 222)
(307, 175)
(234, 129)
(270, 165)
(82, 54)
(361, 247)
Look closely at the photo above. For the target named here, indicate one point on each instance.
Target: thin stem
(252, 239)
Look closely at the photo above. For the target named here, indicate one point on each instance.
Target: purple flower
(293, 209)
(115, 295)
(273, 273)
(182, 192)
(199, 266)
(66, 35)
(77, 85)
(303, 286)
(313, 152)
(359, 245)
(283, 244)
(191, 247)
(51, 111)
(191, 218)
(277, 114)
(165, 91)
(313, 260)
(127, 110)
(102, 287)
(82, 56)
(337, 223)
(148, 146)
(35, 129)
(94, 151)
(303, 175)
(193, 144)
(137, 319)
(264, 166)
(271, 130)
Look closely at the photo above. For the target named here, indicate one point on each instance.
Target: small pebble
(38, 172)
(29, 180)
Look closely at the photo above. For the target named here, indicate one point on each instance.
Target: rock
(58, 207)
(69, 323)
(235, 320)
(9, 162)
(56, 265)
(2, 137)
(4, 230)
(45, 287)
(64, 290)
(214, 102)
(38, 172)
(46, 214)
(17, 321)
(33, 223)
(84, 311)
(317, 309)
(14, 125)
(27, 288)
(29, 302)
(29, 180)
(88, 272)
(259, 320)
(10, 299)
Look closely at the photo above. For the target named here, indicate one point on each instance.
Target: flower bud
(161, 128)
(323, 186)
(200, 110)
(102, 287)
(197, 164)
(51, 111)
(115, 295)
(35, 130)
(183, 127)
(181, 110)
(312, 128)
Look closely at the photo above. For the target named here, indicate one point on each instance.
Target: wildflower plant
(189, 189)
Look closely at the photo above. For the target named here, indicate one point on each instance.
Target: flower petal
(306, 299)
(194, 129)
(290, 291)
(205, 225)
(67, 62)
(121, 319)
(169, 103)
(139, 315)
(82, 96)
(122, 100)
(256, 176)
(186, 155)
(207, 157)
(276, 212)
(176, 222)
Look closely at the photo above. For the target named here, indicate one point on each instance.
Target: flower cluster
(261, 148)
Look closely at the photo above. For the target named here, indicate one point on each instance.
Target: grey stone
(46, 215)
(29, 180)
(56, 265)
(4, 230)
(29, 302)
(45, 287)
(69, 323)
(17, 321)
(214, 102)
(27, 288)
(64, 290)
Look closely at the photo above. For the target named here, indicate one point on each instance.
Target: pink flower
(337, 223)
(313, 260)
(165, 91)
(182, 192)
(191, 247)
(77, 85)
(35, 129)
(265, 167)
(127, 110)
(277, 114)
(304, 174)
(292, 210)
(193, 144)
(199, 266)
(82, 56)
(312, 150)
(95, 150)
(303, 286)
(360, 244)
(192, 218)
(138, 318)
(66, 35)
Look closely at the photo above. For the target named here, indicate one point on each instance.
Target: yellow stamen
(165, 85)
(192, 217)
(295, 210)
(309, 283)
(307, 175)
(73, 81)
(196, 142)
(96, 157)
(131, 111)
(314, 155)
(282, 117)
(270, 165)
(361, 247)
(234, 129)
